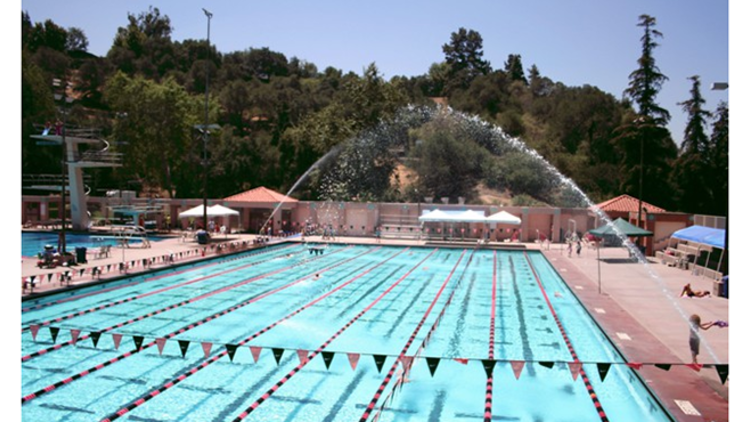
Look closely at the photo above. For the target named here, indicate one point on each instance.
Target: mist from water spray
(354, 163)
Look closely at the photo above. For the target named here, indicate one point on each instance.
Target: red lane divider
(119, 302)
(109, 289)
(159, 311)
(589, 387)
(218, 356)
(488, 389)
(376, 397)
(170, 335)
(174, 306)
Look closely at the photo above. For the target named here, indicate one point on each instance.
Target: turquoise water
(33, 243)
(367, 301)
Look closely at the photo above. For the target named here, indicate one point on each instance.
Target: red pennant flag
(302, 354)
(353, 359)
(575, 369)
(160, 343)
(406, 362)
(117, 337)
(635, 365)
(517, 366)
(74, 334)
(695, 366)
(462, 361)
(34, 329)
(256, 352)
(206, 347)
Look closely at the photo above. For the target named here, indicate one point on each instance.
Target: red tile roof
(260, 194)
(626, 203)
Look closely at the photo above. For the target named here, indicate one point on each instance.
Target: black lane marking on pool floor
(58, 384)
(168, 308)
(491, 353)
(141, 296)
(218, 356)
(161, 274)
(584, 376)
(371, 406)
(322, 347)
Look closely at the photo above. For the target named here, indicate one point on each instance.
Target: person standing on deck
(695, 340)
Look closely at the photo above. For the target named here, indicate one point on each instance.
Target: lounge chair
(103, 252)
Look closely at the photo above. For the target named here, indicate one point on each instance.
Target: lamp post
(61, 243)
(639, 121)
(209, 15)
(722, 86)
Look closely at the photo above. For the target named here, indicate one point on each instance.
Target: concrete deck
(638, 301)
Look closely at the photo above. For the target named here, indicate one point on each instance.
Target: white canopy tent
(212, 211)
(503, 217)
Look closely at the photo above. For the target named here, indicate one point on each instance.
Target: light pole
(639, 121)
(722, 86)
(209, 15)
(61, 243)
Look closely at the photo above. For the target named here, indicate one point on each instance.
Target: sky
(575, 42)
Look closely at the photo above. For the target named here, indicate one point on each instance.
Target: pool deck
(638, 307)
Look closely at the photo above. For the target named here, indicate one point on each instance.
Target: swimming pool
(33, 243)
(359, 314)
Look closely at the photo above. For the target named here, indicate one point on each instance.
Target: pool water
(33, 243)
(346, 309)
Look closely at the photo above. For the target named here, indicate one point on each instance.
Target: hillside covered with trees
(278, 116)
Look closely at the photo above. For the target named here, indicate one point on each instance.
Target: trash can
(725, 286)
(81, 255)
(202, 237)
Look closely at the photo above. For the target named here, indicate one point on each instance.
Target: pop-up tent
(620, 227)
(700, 234)
(503, 217)
(212, 211)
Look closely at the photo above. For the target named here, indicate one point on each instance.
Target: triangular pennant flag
(489, 365)
(302, 354)
(327, 358)
(116, 338)
(603, 369)
(353, 359)
(432, 363)
(517, 366)
(74, 335)
(183, 346)
(206, 348)
(664, 366)
(160, 342)
(32, 278)
(108, 267)
(34, 328)
(462, 361)
(138, 340)
(95, 337)
(256, 352)
(575, 369)
(49, 277)
(723, 371)
(694, 366)
(635, 365)
(277, 353)
(231, 348)
(53, 331)
(379, 361)
(80, 273)
(547, 364)
(406, 362)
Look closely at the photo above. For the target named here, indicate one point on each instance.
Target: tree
(718, 161)
(514, 68)
(160, 144)
(647, 80)
(144, 45)
(464, 56)
(76, 40)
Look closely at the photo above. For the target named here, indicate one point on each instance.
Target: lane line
(589, 387)
(58, 384)
(218, 356)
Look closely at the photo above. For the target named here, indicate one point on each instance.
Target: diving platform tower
(96, 154)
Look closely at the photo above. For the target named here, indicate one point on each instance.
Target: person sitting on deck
(687, 290)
